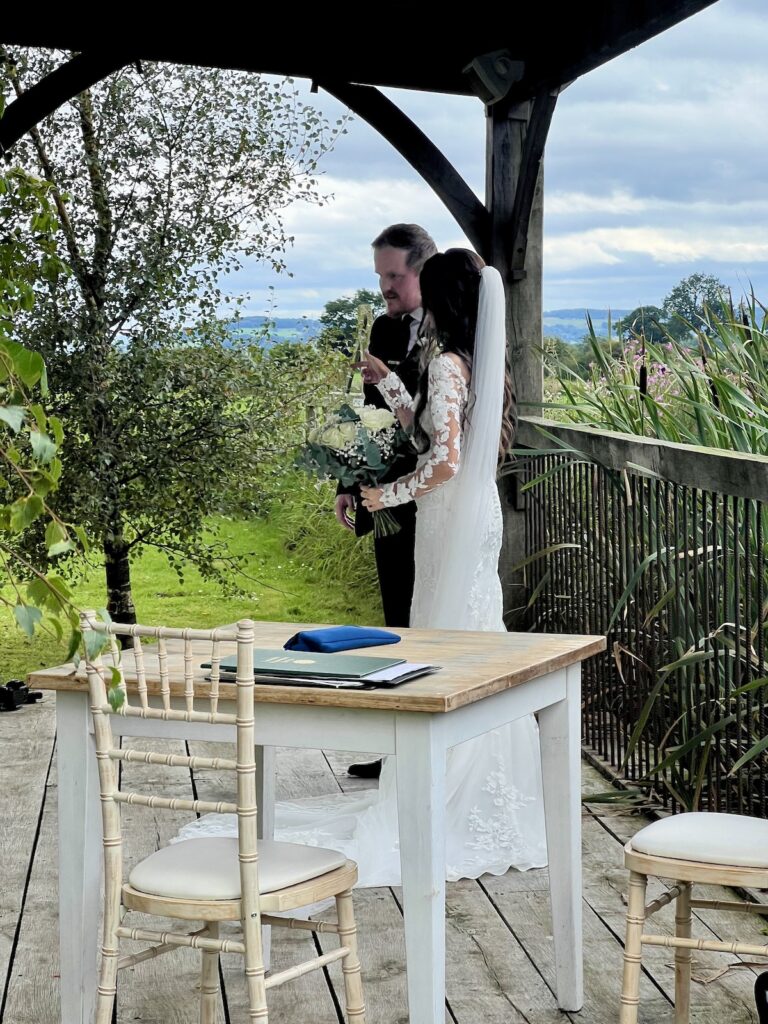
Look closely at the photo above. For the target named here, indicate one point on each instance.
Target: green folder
(310, 665)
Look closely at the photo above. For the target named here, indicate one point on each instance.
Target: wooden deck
(499, 968)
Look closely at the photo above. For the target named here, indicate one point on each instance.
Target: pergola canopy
(555, 42)
(516, 59)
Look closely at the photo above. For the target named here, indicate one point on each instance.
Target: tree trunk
(118, 570)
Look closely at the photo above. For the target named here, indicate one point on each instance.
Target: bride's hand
(372, 498)
(372, 369)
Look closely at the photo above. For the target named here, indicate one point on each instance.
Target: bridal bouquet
(357, 446)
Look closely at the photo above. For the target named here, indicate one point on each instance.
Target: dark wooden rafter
(543, 108)
(469, 212)
(41, 99)
(423, 155)
(556, 41)
(595, 36)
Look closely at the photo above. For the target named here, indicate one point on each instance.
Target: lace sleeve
(447, 402)
(395, 393)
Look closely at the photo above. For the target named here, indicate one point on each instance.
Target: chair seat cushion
(208, 869)
(709, 837)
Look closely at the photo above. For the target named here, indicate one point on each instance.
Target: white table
(487, 679)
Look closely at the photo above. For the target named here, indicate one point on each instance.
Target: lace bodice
(395, 393)
(443, 418)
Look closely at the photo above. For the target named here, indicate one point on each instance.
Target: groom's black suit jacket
(394, 554)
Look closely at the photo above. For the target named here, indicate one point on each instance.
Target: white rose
(348, 430)
(374, 419)
(332, 437)
(338, 435)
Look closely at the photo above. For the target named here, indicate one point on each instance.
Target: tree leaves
(43, 448)
(22, 363)
(57, 539)
(14, 416)
(27, 617)
(171, 178)
(29, 441)
(25, 511)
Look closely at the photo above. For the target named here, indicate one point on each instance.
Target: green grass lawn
(287, 589)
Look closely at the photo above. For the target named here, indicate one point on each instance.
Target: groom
(399, 253)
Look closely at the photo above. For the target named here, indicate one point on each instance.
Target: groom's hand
(345, 508)
(372, 369)
(371, 498)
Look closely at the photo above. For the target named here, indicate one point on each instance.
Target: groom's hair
(417, 242)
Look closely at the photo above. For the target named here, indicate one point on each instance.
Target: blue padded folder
(339, 638)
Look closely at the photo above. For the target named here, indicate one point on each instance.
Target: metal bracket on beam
(512, 488)
(493, 74)
(512, 110)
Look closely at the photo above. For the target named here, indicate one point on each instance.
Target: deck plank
(499, 955)
(33, 989)
(164, 990)
(26, 748)
(298, 773)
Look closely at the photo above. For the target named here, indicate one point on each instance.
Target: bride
(459, 422)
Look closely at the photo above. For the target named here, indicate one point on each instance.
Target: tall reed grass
(683, 573)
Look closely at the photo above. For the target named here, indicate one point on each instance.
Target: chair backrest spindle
(189, 677)
(215, 674)
(165, 682)
(197, 647)
(141, 675)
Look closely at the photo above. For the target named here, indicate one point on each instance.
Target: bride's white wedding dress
(495, 816)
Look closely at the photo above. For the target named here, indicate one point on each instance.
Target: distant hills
(571, 324)
(279, 329)
(568, 324)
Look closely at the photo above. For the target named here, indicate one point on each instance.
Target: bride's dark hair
(450, 293)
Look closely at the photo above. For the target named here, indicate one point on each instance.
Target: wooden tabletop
(473, 666)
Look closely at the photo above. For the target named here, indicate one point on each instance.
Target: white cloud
(338, 237)
(622, 202)
(570, 203)
(607, 246)
(570, 252)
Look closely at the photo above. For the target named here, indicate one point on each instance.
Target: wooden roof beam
(543, 107)
(593, 40)
(421, 153)
(45, 96)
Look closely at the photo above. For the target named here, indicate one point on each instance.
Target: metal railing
(662, 548)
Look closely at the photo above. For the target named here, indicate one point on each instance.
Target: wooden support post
(517, 253)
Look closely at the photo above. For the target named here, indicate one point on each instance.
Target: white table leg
(265, 800)
(80, 858)
(560, 730)
(420, 766)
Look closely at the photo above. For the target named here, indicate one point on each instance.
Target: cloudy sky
(656, 167)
